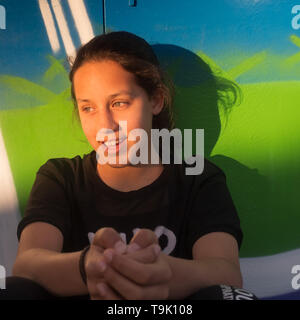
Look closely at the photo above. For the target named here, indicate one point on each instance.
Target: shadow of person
(198, 96)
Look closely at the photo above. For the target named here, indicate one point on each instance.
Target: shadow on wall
(200, 98)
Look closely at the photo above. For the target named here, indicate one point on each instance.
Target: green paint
(295, 40)
(258, 149)
(23, 86)
(264, 175)
(267, 65)
(294, 59)
(56, 70)
(240, 68)
(291, 61)
(35, 134)
(247, 65)
(215, 68)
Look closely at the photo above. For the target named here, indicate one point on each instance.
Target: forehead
(104, 74)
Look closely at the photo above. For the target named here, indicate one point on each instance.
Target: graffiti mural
(235, 65)
(36, 118)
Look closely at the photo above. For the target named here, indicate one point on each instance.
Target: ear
(157, 102)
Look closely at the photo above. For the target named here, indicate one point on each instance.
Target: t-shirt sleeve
(47, 201)
(213, 210)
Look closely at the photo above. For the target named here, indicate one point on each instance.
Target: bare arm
(40, 259)
(215, 261)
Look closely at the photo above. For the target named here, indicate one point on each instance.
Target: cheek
(139, 122)
(89, 131)
(142, 118)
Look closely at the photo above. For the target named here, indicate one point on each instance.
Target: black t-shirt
(179, 208)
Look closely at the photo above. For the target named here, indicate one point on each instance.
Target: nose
(106, 121)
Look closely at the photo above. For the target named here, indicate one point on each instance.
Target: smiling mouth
(112, 143)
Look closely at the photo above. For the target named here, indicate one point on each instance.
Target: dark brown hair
(136, 56)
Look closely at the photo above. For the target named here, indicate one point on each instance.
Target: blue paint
(214, 27)
(132, 3)
(25, 45)
(186, 68)
(296, 18)
(206, 25)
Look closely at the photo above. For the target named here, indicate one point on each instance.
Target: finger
(109, 238)
(140, 273)
(132, 291)
(95, 276)
(94, 271)
(144, 237)
(146, 255)
(95, 268)
(105, 292)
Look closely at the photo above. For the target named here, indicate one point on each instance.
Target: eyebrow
(114, 95)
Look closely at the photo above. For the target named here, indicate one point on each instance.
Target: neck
(129, 178)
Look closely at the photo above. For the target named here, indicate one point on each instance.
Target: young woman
(123, 230)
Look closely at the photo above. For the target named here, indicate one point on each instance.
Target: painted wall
(206, 47)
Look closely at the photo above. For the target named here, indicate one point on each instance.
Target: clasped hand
(116, 271)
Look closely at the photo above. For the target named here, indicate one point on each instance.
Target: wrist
(82, 259)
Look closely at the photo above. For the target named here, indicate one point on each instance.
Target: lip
(119, 141)
(109, 140)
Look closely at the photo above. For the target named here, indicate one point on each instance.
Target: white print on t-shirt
(159, 231)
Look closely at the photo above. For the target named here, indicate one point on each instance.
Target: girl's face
(106, 94)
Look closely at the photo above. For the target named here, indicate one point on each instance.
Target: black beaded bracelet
(81, 264)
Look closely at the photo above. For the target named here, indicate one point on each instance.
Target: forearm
(56, 272)
(188, 276)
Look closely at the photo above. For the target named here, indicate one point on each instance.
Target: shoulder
(209, 172)
(64, 168)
